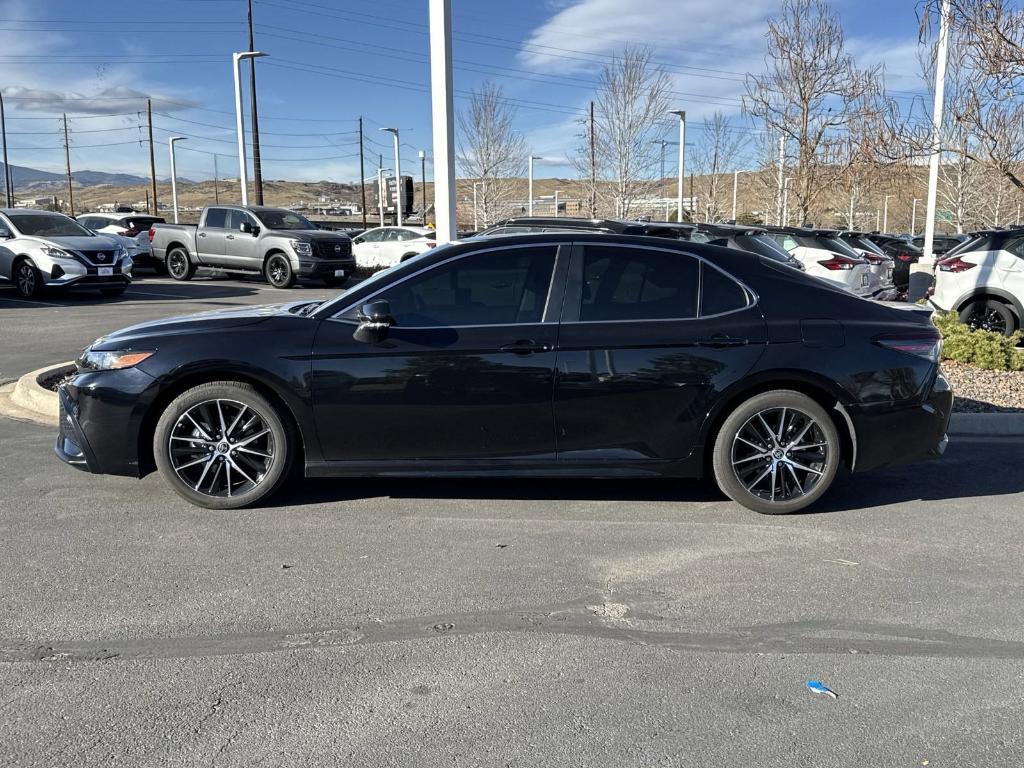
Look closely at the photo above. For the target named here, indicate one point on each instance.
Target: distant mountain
(22, 176)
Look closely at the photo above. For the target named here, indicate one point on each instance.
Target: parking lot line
(161, 295)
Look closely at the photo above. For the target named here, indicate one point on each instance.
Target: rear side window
(719, 293)
(216, 217)
(637, 284)
(1016, 247)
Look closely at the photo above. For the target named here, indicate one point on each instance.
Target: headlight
(93, 360)
(302, 248)
(57, 253)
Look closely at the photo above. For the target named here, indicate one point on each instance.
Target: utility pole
(8, 187)
(216, 181)
(593, 166)
(362, 173)
(152, 158)
(67, 162)
(782, 164)
(257, 169)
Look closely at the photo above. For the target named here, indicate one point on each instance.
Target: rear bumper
(899, 434)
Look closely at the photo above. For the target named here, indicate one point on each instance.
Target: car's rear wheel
(278, 271)
(223, 445)
(179, 265)
(28, 280)
(778, 452)
(989, 315)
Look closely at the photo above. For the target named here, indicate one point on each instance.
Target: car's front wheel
(28, 280)
(278, 271)
(223, 445)
(989, 315)
(777, 452)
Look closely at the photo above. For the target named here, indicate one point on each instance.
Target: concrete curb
(28, 399)
(986, 425)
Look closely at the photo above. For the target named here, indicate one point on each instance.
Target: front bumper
(67, 274)
(898, 434)
(325, 267)
(72, 446)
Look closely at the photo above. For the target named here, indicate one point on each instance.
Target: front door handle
(720, 340)
(524, 347)
(202, 234)
(230, 237)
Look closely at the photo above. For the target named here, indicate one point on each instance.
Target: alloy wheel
(277, 270)
(986, 318)
(221, 448)
(779, 454)
(177, 265)
(26, 279)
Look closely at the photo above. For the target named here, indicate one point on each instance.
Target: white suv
(983, 281)
(825, 256)
(132, 227)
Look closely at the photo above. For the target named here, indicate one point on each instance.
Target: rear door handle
(524, 347)
(721, 340)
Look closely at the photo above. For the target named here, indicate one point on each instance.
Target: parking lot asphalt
(519, 623)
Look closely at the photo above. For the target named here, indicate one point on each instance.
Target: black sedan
(558, 355)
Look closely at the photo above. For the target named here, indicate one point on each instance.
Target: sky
(332, 61)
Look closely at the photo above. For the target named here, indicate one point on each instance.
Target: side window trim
(573, 299)
(549, 301)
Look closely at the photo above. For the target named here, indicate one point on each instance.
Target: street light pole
(735, 186)
(885, 214)
(443, 119)
(423, 185)
(682, 161)
(174, 178)
(529, 182)
(380, 192)
(7, 167)
(476, 225)
(236, 59)
(398, 177)
(913, 217)
(785, 201)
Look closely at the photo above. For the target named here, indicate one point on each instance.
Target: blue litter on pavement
(815, 687)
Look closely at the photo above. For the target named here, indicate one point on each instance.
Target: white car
(983, 281)
(132, 226)
(826, 257)
(386, 246)
(880, 264)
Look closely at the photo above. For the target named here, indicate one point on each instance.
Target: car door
(644, 350)
(210, 242)
(465, 372)
(391, 246)
(241, 249)
(366, 247)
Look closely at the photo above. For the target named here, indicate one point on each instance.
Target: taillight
(874, 258)
(927, 345)
(431, 243)
(906, 256)
(840, 262)
(152, 231)
(955, 264)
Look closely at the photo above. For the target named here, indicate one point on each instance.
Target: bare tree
(809, 92)
(629, 114)
(717, 154)
(491, 152)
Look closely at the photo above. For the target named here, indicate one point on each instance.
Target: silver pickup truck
(277, 243)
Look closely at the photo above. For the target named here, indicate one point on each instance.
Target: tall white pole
(556, 203)
(782, 166)
(399, 187)
(443, 113)
(928, 257)
(476, 223)
(785, 201)
(529, 184)
(381, 192)
(913, 217)
(682, 161)
(174, 176)
(236, 59)
(735, 186)
(885, 214)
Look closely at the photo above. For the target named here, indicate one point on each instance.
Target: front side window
(637, 284)
(502, 287)
(216, 218)
(373, 236)
(236, 218)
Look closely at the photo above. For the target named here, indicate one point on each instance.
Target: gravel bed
(979, 391)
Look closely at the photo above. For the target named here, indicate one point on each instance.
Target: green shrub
(983, 349)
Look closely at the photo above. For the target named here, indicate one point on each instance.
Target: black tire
(204, 456)
(179, 265)
(989, 315)
(114, 291)
(28, 280)
(278, 271)
(766, 477)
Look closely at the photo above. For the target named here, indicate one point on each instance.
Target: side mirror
(374, 321)
(357, 239)
(248, 228)
(5, 234)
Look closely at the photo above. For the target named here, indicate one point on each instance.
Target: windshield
(765, 246)
(47, 225)
(279, 218)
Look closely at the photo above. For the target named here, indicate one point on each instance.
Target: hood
(313, 235)
(81, 242)
(134, 335)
